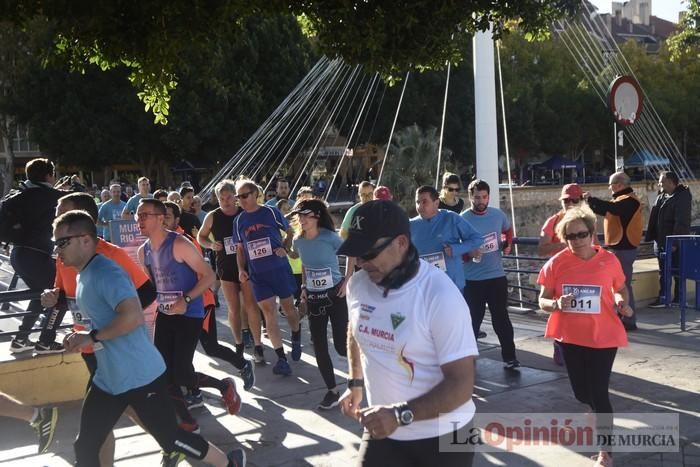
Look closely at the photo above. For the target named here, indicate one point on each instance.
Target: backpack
(10, 223)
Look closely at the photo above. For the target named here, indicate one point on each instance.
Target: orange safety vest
(613, 229)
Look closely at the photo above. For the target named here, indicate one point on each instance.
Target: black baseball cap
(308, 207)
(372, 221)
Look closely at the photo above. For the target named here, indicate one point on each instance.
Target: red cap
(383, 192)
(572, 190)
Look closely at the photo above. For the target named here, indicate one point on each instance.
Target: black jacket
(36, 205)
(670, 215)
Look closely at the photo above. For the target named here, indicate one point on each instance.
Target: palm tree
(412, 161)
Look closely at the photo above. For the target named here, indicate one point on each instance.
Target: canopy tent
(558, 163)
(646, 158)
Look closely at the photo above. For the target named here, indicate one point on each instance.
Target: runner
(256, 232)
(181, 277)
(281, 192)
(410, 346)
(63, 296)
(188, 221)
(219, 225)
(449, 195)
(111, 210)
(486, 281)
(208, 335)
(365, 192)
(42, 420)
(323, 287)
(129, 370)
(583, 287)
(441, 236)
(144, 193)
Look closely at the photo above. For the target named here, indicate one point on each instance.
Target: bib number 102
(318, 283)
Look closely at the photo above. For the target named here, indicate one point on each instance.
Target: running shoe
(558, 355)
(247, 374)
(259, 357)
(191, 427)
(231, 397)
(51, 347)
(194, 400)
(329, 401)
(21, 345)
(248, 341)
(657, 304)
(296, 350)
(171, 459)
(282, 368)
(45, 426)
(481, 335)
(236, 458)
(512, 364)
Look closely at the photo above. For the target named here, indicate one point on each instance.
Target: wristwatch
(187, 298)
(404, 415)
(93, 335)
(356, 383)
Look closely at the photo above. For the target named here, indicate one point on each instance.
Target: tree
(149, 37)
(687, 40)
(93, 120)
(411, 161)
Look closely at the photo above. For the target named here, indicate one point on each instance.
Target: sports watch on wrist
(187, 298)
(404, 415)
(93, 335)
(356, 383)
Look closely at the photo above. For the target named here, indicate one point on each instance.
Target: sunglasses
(453, 190)
(63, 242)
(376, 251)
(578, 235)
(244, 195)
(571, 201)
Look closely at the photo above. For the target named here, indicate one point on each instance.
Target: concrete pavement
(280, 426)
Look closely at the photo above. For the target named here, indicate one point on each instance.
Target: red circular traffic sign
(625, 100)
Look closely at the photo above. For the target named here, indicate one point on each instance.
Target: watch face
(406, 416)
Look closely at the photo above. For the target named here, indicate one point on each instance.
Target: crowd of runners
(284, 256)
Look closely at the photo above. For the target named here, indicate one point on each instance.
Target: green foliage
(412, 161)
(686, 42)
(149, 37)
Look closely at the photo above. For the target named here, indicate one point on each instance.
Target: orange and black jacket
(622, 225)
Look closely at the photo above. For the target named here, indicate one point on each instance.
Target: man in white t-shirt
(410, 346)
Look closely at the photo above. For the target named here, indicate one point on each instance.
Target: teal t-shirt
(490, 225)
(133, 202)
(345, 225)
(128, 361)
(430, 236)
(110, 211)
(318, 256)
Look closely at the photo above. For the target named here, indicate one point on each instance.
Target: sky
(666, 9)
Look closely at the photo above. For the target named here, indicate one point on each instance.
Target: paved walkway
(279, 425)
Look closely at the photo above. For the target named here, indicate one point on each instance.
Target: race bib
(586, 298)
(259, 248)
(229, 246)
(319, 279)
(436, 259)
(490, 243)
(81, 322)
(166, 301)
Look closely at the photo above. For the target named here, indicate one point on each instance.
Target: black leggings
(210, 341)
(589, 373)
(151, 403)
(176, 338)
(335, 309)
(415, 453)
(495, 293)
